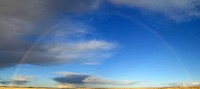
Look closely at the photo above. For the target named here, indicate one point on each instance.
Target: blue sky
(93, 43)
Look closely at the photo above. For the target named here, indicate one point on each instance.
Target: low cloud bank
(80, 80)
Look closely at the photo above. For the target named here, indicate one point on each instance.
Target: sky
(99, 43)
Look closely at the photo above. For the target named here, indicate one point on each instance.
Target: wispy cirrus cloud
(78, 79)
(103, 81)
(84, 52)
(72, 43)
(175, 9)
(185, 84)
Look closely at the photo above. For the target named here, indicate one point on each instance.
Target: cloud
(29, 31)
(84, 51)
(175, 9)
(78, 79)
(75, 6)
(185, 84)
(18, 80)
(71, 42)
(67, 73)
(63, 44)
(37, 9)
(4, 82)
(104, 81)
(22, 79)
(71, 79)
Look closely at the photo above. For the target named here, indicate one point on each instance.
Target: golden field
(196, 87)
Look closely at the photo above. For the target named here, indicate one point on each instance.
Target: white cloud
(74, 42)
(69, 42)
(186, 84)
(93, 45)
(22, 79)
(104, 81)
(85, 51)
(67, 73)
(175, 9)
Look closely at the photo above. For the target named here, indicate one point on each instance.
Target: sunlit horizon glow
(99, 43)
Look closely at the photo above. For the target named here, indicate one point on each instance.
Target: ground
(196, 87)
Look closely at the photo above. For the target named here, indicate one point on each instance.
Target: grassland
(196, 87)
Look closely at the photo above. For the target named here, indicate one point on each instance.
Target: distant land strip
(8, 87)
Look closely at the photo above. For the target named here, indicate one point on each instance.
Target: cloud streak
(185, 84)
(69, 43)
(175, 9)
(18, 80)
(78, 79)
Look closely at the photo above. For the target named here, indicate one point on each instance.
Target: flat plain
(195, 87)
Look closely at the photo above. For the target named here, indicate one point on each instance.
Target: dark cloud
(56, 51)
(18, 80)
(40, 9)
(71, 79)
(74, 6)
(4, 82)
(30, 32)
(77, 79)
